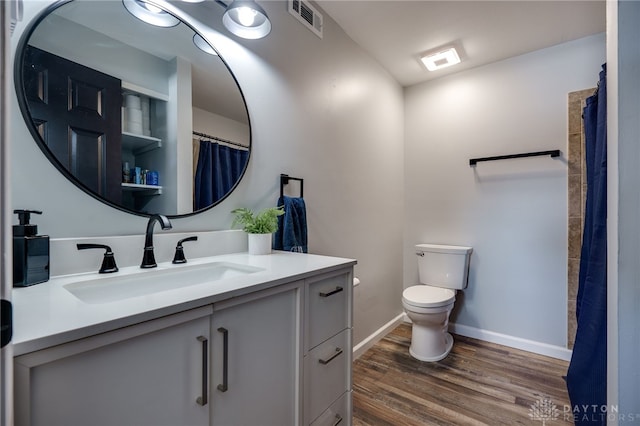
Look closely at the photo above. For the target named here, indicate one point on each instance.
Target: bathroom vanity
(243, 340)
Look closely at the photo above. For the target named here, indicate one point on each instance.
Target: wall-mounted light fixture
(440, 59)
(246, 19)
(150, 13)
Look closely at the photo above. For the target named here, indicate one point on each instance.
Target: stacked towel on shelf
(292, 226)
(146, 124)
(135, 114)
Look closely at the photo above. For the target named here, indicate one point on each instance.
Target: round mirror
(146, 118)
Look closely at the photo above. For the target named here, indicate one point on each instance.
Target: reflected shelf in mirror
(139, 144)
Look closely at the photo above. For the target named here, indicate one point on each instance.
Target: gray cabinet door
(262, 362)
(127, 378)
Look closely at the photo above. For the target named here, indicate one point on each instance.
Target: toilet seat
(424, 296)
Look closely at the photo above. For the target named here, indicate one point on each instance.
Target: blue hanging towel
(292, 226)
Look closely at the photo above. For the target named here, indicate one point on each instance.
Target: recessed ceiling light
(441, 59)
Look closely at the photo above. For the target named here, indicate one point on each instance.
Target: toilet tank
(443, 266)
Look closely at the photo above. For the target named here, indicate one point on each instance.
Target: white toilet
(442, 270)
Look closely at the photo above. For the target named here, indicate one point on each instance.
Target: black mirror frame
(24, 109)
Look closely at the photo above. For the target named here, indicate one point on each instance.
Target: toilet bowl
(443, 270)
(428, 308)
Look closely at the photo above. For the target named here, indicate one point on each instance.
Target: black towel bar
(552, 153)
(284, 180)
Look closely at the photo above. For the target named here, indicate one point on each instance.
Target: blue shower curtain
(219, 168)
(587, 374)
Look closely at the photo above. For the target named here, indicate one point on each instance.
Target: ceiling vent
(306, 14)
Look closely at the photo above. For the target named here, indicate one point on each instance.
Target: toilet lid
(428, 297)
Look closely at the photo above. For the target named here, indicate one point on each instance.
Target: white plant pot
(260, 243)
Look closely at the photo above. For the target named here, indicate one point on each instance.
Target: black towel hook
(284, 180)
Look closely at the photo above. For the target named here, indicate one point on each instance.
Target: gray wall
(513, 213)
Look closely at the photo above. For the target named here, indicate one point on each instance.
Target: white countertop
(47, 314)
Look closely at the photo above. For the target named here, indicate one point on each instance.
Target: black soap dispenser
(30, 252)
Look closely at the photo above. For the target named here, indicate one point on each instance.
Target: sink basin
(145, 283)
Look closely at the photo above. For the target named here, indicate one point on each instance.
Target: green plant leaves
(264, 222)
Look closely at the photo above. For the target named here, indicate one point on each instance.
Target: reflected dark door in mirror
(77, 112)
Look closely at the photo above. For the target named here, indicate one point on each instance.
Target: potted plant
(259, 226)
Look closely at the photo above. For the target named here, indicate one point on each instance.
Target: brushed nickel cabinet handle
(337, 290)
(204, 399)
(328, 360)
(223, 387)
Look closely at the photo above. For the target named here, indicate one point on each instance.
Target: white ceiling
(396, 32)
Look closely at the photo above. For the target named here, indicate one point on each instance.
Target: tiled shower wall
(577, 195)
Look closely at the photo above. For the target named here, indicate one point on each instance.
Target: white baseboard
(546, 349)
(371, 340)
(511, 341)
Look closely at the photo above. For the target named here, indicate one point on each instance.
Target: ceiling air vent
(306, 14)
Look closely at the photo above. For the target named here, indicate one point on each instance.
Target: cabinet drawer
(339, 413)
(327, 374)
(328, 308)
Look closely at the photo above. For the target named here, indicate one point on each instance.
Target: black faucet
(148, 259)
(108, 261)
(178, 257)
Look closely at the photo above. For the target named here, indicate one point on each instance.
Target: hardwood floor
(478, 383)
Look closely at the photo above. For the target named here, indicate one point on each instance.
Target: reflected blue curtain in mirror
(219, 168)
